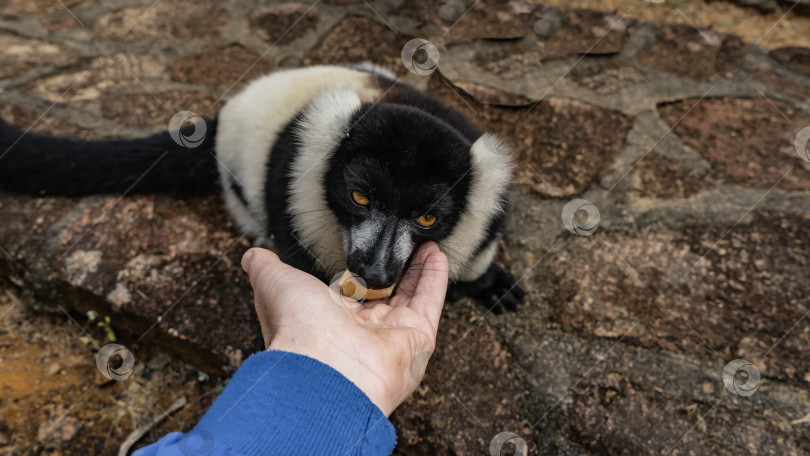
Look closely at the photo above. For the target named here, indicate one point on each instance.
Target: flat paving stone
(155, 108)
(20, 55)
(590, 32)
(704, 292)
(221, 66)
(284, 23)
(662, 177)
(793, 57)
(692, 53)
(163, 21)
(359, 39)
(748, 140)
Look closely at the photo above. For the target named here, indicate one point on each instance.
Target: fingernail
(246, 259)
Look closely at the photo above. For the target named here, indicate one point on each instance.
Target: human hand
(382, 348)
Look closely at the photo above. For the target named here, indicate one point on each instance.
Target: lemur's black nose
(375, 277)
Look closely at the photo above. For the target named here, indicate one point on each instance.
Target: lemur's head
(397, 177)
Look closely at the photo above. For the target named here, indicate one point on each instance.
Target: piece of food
(354, 289)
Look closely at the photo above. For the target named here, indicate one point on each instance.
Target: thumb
(261, 266)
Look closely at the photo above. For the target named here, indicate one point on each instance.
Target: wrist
(353, 370)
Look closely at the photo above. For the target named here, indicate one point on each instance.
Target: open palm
(383, 348)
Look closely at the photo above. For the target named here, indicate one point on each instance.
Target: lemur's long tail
(45, 165)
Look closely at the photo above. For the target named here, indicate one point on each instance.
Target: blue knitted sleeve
(284, 403)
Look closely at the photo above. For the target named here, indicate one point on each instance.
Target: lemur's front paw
(496, 289)
(504, 293)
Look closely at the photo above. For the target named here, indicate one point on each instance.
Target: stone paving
(681, 142)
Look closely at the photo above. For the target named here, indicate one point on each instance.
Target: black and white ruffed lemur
(337, 167)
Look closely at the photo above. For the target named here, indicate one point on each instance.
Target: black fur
(496, 290)
(404, 94)
(45, 165)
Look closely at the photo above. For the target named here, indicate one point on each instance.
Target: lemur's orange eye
(360, 198)
(426, 221)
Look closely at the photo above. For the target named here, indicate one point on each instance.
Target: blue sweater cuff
(284, 403)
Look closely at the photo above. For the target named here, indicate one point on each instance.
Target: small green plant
(107, 328)
(221, 386)
(202, 376)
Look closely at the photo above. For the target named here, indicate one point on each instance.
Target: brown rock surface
(748, 140)
(660, 176)
(793, 57)
(176, 20)
(359, 39)
(693, 53)
(223, 65)
(491, 19)
(20, 55)
(607, 77)
(787, 86)
(706, 292)
(590, 32)
(562, 145)
(155, 108)
(33, 119)
(284, 23)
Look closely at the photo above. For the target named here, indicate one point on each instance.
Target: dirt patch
(49, 390)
